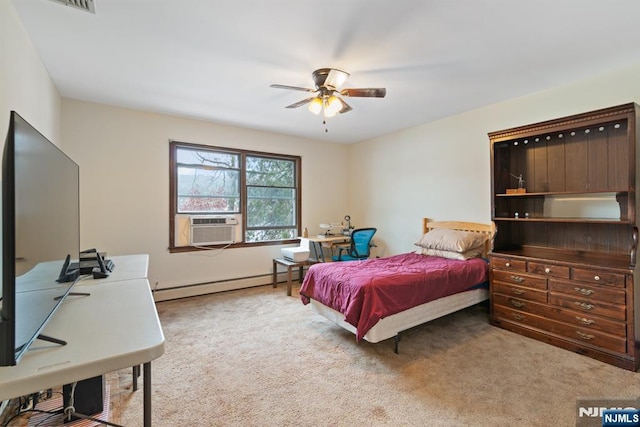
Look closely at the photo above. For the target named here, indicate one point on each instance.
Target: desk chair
(359, 247)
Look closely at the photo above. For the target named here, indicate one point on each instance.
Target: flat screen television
(40, 235)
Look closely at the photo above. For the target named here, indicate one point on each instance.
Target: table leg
(289, 280)
(275, 274)
(317, 247)
(136, 374)
(147, 394)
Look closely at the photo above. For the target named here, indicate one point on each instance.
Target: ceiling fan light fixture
(327, 85)
(332, 106)
(336, 78)
(315, 106)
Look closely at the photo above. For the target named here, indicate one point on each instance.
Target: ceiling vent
(86, 5)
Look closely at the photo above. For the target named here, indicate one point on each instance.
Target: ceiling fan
(325, 95)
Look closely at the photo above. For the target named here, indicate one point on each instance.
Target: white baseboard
(191, 290)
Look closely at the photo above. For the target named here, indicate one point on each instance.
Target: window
(263, 188)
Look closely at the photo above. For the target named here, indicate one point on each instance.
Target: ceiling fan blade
(345, 107)
(373, 92)
(300, 103)
(304, 89)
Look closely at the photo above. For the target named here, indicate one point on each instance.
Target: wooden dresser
(563, 268)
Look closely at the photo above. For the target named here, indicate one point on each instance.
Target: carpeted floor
(256, 357)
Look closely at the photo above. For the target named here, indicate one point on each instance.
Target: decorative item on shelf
(521, 189)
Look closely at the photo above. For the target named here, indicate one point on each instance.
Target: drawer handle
(517, 316)
(585, 321)
(596, 277)
(507, 264)
(585, 336)
(584, 291)
(518, 291)
(547, 270)
(584, 305)
(517, 304)
(517, 279)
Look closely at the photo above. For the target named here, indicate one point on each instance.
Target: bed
(379, 298)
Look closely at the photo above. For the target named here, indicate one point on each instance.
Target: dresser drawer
(576, 334)
(519, 304)
(519, 279)
(598, 277)
(591, 292)
(599, 308)
(520, 292)
(509, 264)
(507, 313)
(548, 269)
(589, 336)
(588, 321)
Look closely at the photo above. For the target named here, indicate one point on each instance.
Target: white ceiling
(214, 60)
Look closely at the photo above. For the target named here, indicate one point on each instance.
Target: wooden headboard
(475, 227)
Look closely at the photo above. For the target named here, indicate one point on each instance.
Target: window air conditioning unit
(214, 229)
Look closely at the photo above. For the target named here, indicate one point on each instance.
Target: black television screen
(40, 234)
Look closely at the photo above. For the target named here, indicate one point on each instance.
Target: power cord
(95, 420)
(70, 411)
(28, 403)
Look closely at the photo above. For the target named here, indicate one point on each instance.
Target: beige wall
(123, 158)
(441, 170)
(124, 197)
(25, 85)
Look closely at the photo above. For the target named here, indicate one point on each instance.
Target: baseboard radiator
(204, 288)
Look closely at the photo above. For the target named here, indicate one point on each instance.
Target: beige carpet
(256, 357)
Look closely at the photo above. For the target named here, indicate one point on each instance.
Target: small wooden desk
(323, 240)
(290, 265)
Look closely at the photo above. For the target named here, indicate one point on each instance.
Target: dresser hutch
(563, 268)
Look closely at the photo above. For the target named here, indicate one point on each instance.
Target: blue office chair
(359, 247)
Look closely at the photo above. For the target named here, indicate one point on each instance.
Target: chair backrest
(360, 242)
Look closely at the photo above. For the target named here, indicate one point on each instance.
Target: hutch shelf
(563, 267)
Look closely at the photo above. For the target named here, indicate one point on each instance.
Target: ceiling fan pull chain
(324, 122)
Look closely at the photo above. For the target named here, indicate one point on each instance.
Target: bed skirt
(391, 326)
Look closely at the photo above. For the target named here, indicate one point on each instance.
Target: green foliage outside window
(209, 181)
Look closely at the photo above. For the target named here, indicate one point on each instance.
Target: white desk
(321, 241)
(116, 327)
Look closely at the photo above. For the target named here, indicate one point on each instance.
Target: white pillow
(451, 240)
(472, 253)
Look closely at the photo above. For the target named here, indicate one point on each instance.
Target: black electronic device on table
(100, 272)
(90, 259)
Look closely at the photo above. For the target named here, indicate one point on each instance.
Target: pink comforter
(367, 291)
